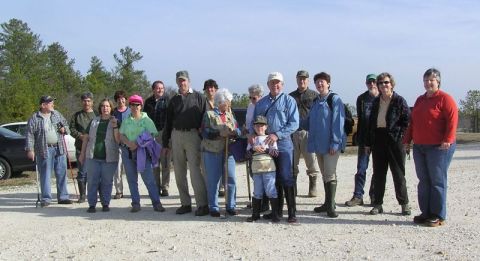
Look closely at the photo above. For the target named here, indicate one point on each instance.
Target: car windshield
(8, 133)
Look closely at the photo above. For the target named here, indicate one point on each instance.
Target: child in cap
(263, 170)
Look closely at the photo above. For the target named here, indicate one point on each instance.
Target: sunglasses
(135, 104)
(384, 82)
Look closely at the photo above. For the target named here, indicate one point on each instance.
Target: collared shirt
(184, 112)
(281, 112)
(132, 128)
(79, 124)
(36, 139)
(304, 101)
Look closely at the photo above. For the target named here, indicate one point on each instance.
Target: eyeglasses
(384, 82)
(134, 104)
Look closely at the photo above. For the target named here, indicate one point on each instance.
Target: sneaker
(183, 210)
(135, 208)
(164, 193)
(406, 210)
(158, 208)
(118, 196)
(44, 204)
(202, 211)
(91, 209)
(105, 208)
(214, 213)
(376, 210)
(65, 201)
(434, 222)
(420, 219)
(354, 202)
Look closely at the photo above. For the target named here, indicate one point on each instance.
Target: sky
(238, 43)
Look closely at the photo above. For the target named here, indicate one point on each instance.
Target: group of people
(195, 130)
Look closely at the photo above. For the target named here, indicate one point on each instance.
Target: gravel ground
(69, 232)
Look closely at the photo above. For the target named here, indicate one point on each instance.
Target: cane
(69, 164)
(226, 175)
(249, 170)
(38, 183)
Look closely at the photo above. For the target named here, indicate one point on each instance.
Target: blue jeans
(132, 179)
(360, 177)
(100, 175)
(215, 169)
(431, 165)
(81, 170)
(284, 163)
(53, 162)
(264, 183)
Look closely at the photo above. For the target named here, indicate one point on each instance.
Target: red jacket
(433, 120)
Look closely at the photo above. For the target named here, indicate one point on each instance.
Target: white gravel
(69, 232)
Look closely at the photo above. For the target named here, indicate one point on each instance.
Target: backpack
(349, 122)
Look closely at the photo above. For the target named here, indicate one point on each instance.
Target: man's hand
(271, 139)
(31, 155)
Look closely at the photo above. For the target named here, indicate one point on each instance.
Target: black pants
(385, 153)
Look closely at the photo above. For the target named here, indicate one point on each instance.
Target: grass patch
(26, 178)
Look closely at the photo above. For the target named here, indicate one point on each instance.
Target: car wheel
(5, 169)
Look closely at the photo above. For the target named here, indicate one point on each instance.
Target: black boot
(280, 204)
(332, 188)
(82, 188)
(274, 203)
(291, 204)
(295, 186)
(312, 186)
(256, 205)
(264, 204)
(323, 208)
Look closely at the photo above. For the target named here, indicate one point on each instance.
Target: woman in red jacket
(432, 128)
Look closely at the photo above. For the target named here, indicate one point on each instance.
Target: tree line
(30, 69)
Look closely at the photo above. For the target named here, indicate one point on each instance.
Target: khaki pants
(300, 139)
(186, 149)
(162, 172)
(328, 166)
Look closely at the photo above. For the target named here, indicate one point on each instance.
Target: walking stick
(38, 183)
(69, 164)
(226, 175)
(247, 164)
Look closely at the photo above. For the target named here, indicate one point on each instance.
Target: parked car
(13, 158)
(21, 128)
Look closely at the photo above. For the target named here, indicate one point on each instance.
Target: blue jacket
(282, 117)
(325, 126)
(147, 144)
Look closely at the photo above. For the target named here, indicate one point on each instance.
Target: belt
(52, 145)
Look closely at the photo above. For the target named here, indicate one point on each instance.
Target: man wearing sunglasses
(364, 107)
(304, 98)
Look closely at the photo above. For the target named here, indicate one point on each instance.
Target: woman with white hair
(218, 126)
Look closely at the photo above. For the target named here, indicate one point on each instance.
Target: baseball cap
(46, 99)
(275, 76)
(135, 99)
(302, 73)
(371, 77)
(182, 75)
(260, 119)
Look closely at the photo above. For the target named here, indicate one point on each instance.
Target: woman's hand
(445, 146)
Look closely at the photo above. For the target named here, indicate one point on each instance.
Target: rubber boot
(323, 208)
(265, 204)
(256, 205)
(312, 186)
(274, 203)
(291, 204)
(332, 188)
(82, 188)
(280, 199)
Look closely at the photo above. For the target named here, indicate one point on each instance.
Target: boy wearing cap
(304, 97)
(44, 145)
(78, 125)
(364, 108)
(263, 170)
(184, 118)
(282, 115)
